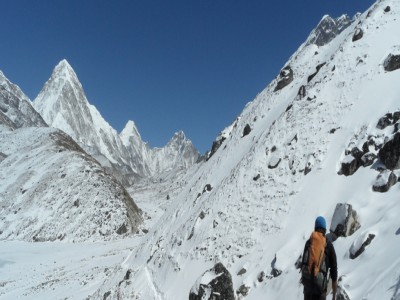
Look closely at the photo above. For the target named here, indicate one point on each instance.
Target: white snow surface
(246, 222)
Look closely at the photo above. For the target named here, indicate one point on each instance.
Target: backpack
(314, 269)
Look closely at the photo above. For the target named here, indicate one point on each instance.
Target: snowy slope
(52, 190)
(63, 104)
(252, 204)
(296, 145)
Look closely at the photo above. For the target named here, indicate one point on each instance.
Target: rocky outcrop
(358, 34)
(384, 181)
(316, 72)
(246, 130)
(215, 283)
(368, 159)
(390, 152)
(344, 220)
(285, 77)
(360, 244)
(349, 165)
(392, 62)
(327, 29)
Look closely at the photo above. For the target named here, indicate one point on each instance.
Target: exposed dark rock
(215, 146)
(344, 220)
(396, 127)
(341, 293)
(215, 224)
(285, 77)
(327, 29)
(274, 163)
(356, 252)
(332, 131)
(349, 166)
(396, 116)
(358, 34)
(242, 271)
(255, 178)
(384, 181)
(390, 152)
(127, 275)
(261, 276)
(357, 153)
(289, 107)
(202, 215)
(220, 284)
(384, 122)
(365, 147)
(302, 92)
(273, 149)
(368, 159)
(122, 229)
(207, 188)
(105, 296)
(243, 290)
(392, 62)
(76, 203)
(275, 271)
(316, 72)
(387, 9)
(246, 130)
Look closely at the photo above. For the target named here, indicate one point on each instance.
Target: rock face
(327, 29)
(285, 77)
(215, 283)
(360, 244)
(384, 181)
(390, 152)
(344, 220)
(392, 62)
(15, 108)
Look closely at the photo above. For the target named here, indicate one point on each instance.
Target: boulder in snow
(385, 121)
(302, 92)
(243, 290)
(215, 146)
(274, 162)
(387, 9)
(358, 34)
(285, 77)
(384, 181)
(392, 63)
(360, 244)
(261, 276)
(349, 165)
(344, 220)
(246, 130)
(390, 152)
(215, 283)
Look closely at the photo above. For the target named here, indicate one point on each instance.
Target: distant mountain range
(62, 104)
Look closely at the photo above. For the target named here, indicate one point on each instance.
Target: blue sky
(167, 65)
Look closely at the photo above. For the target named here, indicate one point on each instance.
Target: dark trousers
(314, 297)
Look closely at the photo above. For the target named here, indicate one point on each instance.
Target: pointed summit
(130, 133)
(327, 29)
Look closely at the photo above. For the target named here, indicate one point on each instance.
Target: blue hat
(320, 223)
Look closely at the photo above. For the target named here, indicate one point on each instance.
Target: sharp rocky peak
(328, 28)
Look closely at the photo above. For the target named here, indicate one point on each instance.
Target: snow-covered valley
(322, 136)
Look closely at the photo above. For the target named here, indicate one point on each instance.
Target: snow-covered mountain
(15, 108)
(50, 188)
(63, 104)
(321, 139)
(283, 162)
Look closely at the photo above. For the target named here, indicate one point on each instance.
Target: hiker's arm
(334, 289)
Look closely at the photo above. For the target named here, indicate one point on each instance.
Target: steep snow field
(252, 204)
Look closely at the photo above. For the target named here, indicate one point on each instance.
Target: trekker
(318, 257)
